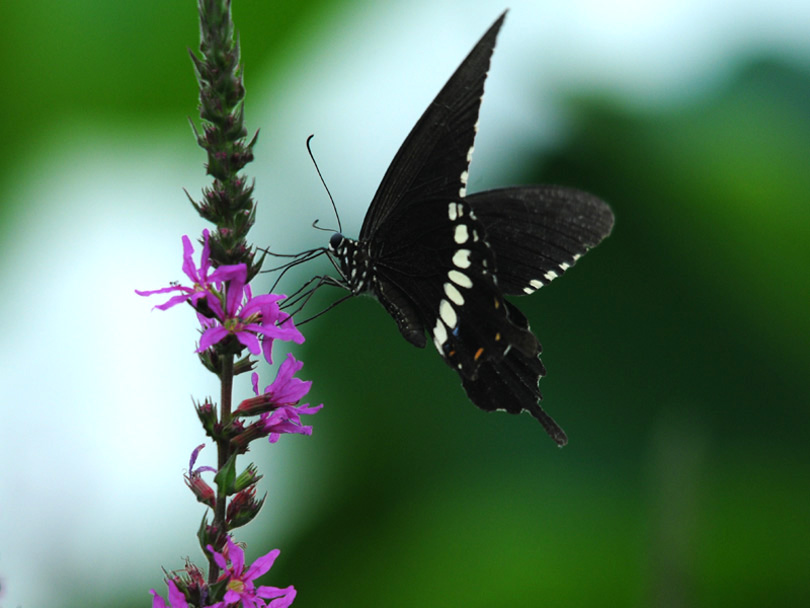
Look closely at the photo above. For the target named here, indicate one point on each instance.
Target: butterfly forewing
(433, 161)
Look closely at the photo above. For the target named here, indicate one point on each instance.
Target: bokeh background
(677, 351)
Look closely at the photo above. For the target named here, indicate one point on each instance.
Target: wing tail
(511, 385)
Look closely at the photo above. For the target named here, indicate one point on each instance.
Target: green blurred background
(677, 351)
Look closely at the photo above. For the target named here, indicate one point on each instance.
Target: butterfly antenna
(314, 162)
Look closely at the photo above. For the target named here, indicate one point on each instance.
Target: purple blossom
(254, 321)
(203, 283)
(285, 389)
(286, 420)
(204, 493)
(281, 399)
(241, 588)
(176, 597)
(193, 460)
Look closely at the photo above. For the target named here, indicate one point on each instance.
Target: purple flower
(204, 493)
(286, 420)
(203, 284)
(278, 405)
(254, 321)
(240, 586)
(176, 597)
(193, 460)
(286, 389)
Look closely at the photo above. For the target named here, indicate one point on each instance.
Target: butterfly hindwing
(510, 385)
(538, 232)
(433, 160)
(434, 268)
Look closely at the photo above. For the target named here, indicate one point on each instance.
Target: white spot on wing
(447, 313)
(550, 275)
(464, 176)
(564, 266)
(453, 294)
(461, 235)
(461, 258)
(534, 285)
(460, 279)
(439, 336)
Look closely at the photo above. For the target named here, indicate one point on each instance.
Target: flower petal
(218, 558)
(194, 454)
(176, 597)
(237, 557)
(285, 600)
(189, 268)
(210, 337)
(249, 340)
(261, 565)
(157, 601)
(229, 272)
(205, 261)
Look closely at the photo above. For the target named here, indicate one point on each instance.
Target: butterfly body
(440, 261)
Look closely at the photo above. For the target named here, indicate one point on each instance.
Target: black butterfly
(442, 261)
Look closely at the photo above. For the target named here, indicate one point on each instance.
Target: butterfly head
(352, 260)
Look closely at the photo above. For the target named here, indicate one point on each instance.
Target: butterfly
(440, 261)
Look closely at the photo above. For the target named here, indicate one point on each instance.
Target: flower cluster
(278, 407)
(232, 319)
(237, 581)
(229, 313)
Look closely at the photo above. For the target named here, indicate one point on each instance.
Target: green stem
(223, 454)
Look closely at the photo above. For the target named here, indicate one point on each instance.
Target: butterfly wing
(444, 267)
(433, 270)
(440, 263)
(432, 163)
(538, 232)
(512, 384)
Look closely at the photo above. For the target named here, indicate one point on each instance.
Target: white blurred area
(97, 419)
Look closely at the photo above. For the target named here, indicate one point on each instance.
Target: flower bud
(243, 508)
(208, 416)
(247, 478)
(203, 492)
(255, 405)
